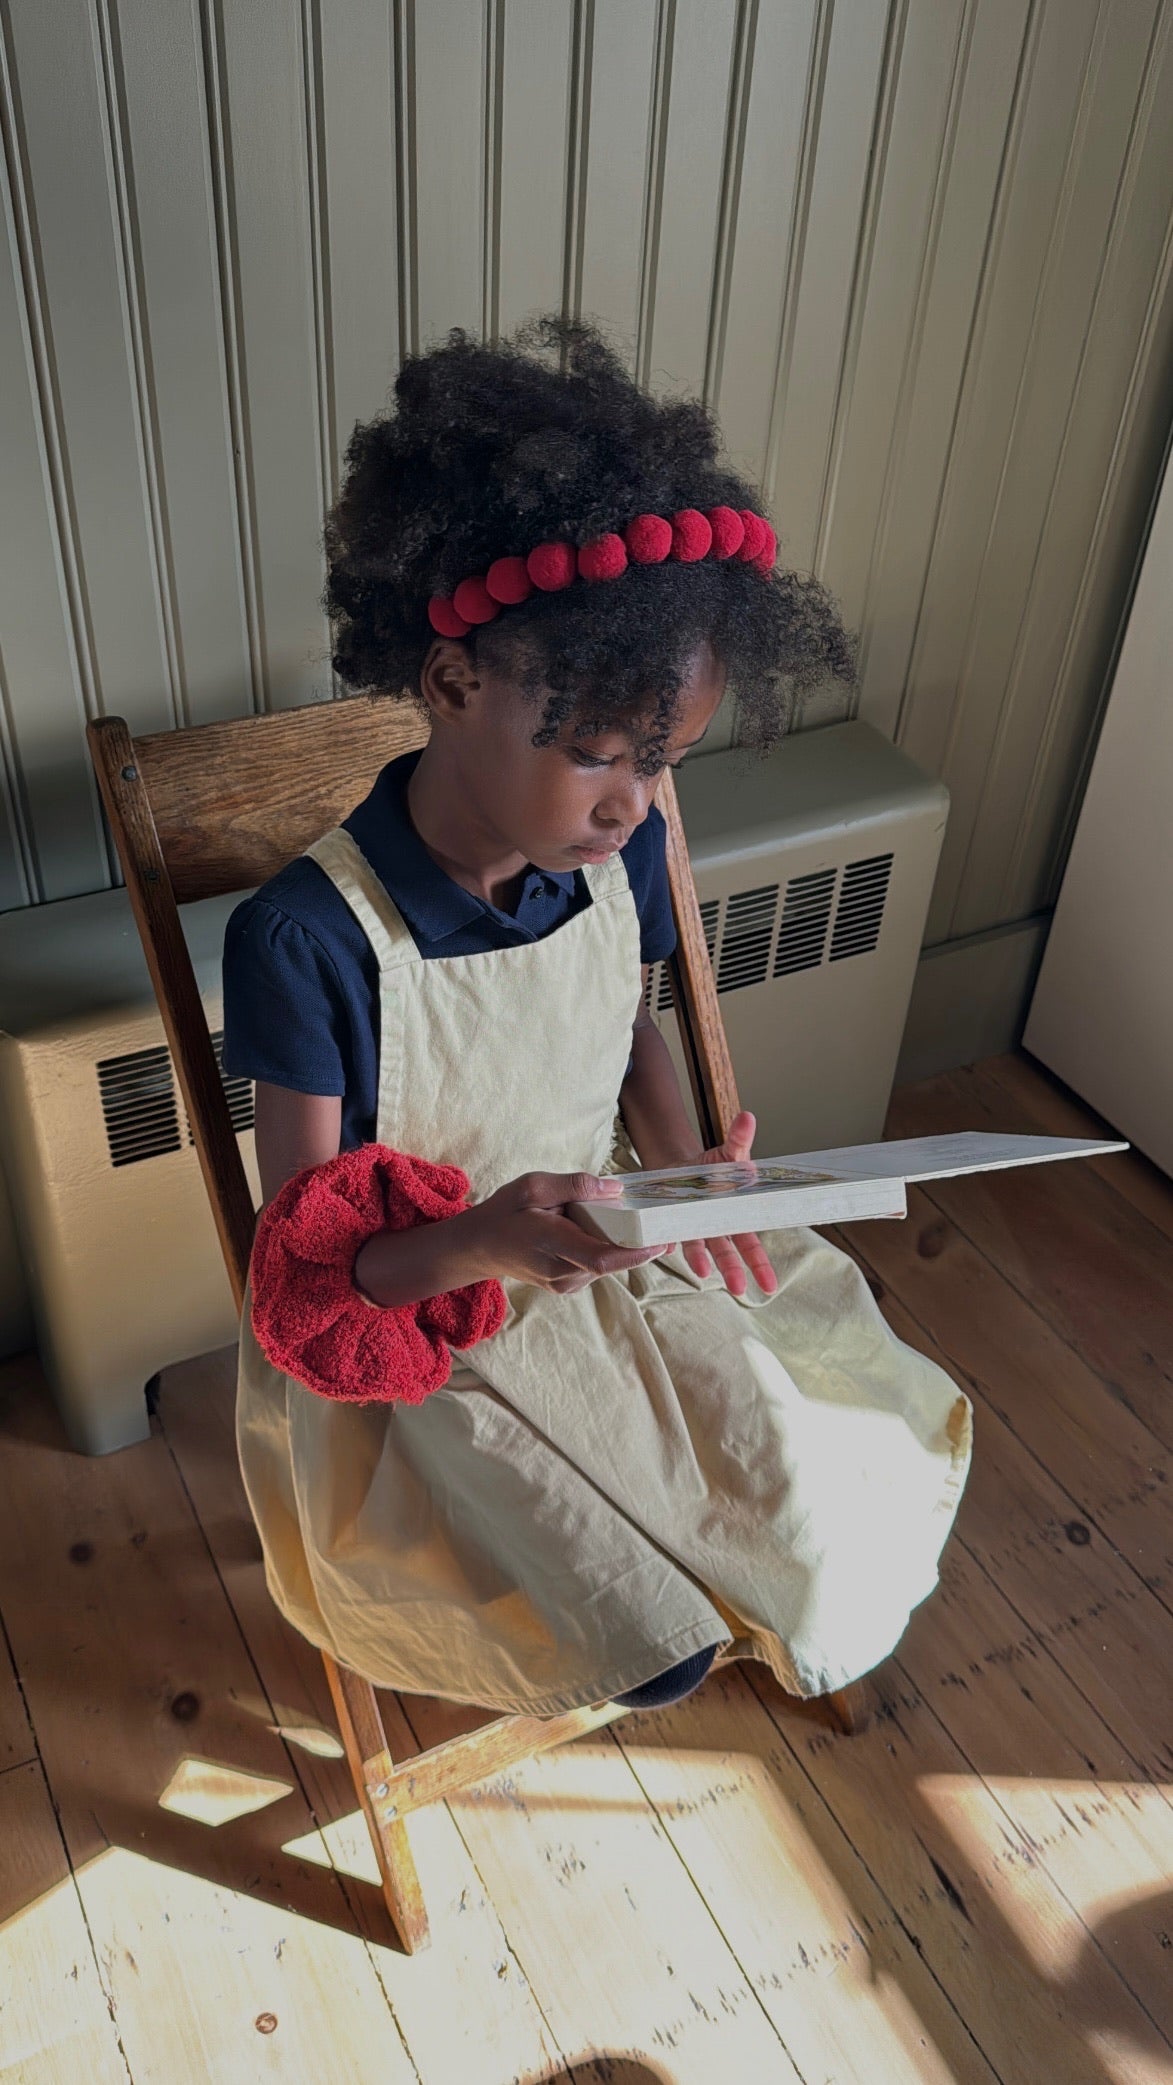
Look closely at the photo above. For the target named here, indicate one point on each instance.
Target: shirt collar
(431, 903)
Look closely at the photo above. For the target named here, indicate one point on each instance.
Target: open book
(808, 1187)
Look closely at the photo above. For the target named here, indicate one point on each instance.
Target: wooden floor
(978, 1888)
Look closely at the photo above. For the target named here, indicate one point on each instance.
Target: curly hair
(488, 451)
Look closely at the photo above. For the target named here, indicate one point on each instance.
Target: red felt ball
(754, 540)
(552, 566)
(605, 558)
(692, 536)
(444, 619)
(474, 602)
(728, 531)
(766, 556)
(508, 581)
(649, 539)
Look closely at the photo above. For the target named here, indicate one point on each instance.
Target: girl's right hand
(523, 1232)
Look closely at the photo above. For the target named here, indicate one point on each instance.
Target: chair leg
(361, 1728)
(850, 1709)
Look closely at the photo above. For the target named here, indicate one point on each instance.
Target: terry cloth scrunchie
(310, 1319)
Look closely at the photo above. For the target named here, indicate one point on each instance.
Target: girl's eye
(584, 759)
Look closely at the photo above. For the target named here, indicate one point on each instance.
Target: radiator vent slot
(860, 912)
(142, 1109)
(806, 913)
(139, 1105)
(237, 1092)
(745, 944)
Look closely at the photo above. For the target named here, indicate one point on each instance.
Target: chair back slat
(234, 802)
(221, 807)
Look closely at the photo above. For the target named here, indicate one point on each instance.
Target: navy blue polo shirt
(301, 983)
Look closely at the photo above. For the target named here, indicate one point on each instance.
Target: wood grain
(500, 2031)
(16, 1738)
(55, 2026)
(826, 1955)
(1092, 1266)
(1031, 1100)
(989, 1922)
(1115, 1471)
(148, 1672)
(234, 802)
(606, 1921)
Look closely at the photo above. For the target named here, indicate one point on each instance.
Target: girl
(654, 1454)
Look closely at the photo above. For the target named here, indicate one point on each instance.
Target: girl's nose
(626, 803)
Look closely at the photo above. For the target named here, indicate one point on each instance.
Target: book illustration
(717, 1182)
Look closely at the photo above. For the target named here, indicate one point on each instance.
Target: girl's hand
(732, 1256)
(523, 1231)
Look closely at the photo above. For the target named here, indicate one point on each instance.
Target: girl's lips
(599, 854)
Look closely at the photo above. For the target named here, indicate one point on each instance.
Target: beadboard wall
(917, 253)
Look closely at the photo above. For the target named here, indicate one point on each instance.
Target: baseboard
(970, 998)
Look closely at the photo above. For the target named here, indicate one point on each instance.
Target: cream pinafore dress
(622, 1476)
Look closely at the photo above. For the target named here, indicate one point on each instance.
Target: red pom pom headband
(648, 540)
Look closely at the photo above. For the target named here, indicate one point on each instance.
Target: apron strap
(343, 861)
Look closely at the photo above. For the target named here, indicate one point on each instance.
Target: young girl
(653, 1455)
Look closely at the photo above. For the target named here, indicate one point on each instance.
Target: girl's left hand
(732, 1256)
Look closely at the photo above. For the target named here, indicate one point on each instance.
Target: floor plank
(55, 2025)
(832, 1965)
(149, 1671)
(1031, 1100)
(17, 1743)
(610, 1929)
(1069, 1586)
(993, 1928)
(980, 1887)
(496, 2036)
(1116, 1472)
(1104, 1279)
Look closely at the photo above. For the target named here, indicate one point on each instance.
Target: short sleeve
(646, 862)
(284, 1009)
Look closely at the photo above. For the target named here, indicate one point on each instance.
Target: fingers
(756, 1258)
(554, 1190)
(742, 1131)
(730, 1257)
(563, 1239)
(729, 1265)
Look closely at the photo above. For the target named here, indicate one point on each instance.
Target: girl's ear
(448, 679)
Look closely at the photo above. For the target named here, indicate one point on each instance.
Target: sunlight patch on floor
(323, 1744)
(215, 1794)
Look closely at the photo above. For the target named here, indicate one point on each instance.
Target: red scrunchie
(309, 1318)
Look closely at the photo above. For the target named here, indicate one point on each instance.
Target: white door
(1102, 1013)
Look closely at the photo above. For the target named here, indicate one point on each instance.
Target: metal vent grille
(745, 944)
(806, 913)
(139, 1105)
(862, 897)
(237, 1092)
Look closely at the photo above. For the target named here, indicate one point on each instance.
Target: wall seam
(978, 321)
(906, 389)
(1059, 218)
(218, 169)
(733, 162)
(812, 113)
(48, 417)
(132, 300)
(865, 245)
(654, 186)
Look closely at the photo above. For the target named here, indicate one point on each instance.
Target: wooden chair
(220, 808)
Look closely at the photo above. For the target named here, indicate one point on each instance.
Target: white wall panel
(917, 252)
